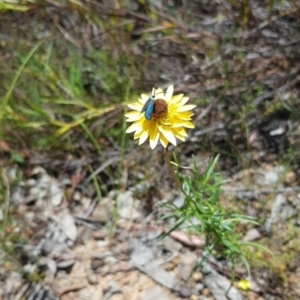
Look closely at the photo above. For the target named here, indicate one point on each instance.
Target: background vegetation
(68, 68)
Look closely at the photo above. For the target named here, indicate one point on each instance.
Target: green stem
(171, 170)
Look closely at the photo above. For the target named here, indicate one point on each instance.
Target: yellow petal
(135, 106)
(133, 127)
(158, 93)
(144, 126)
(184, 116)
(153, 134)
(143, 137)
(184, 100)
(144, 98)
(132, 113)
(176, 99)
(134, 117)
(188, 125)
(163, 141)
(180, 132)
(169, 93)
(137, 135)
(152, 127)
(186, 108)
(168, 134)
(182, 138)
(154, 140)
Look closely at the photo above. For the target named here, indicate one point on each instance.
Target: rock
(122, 250)
(198, 277)
(100, 234)
(186, 265)
(97, 293)
(151, 235)
(29, 268)
(140, 254)
(171, 245)
(161, 276)
(252, 235)
(290, 177)
(50, 265)
(12, 284)
(155, 293)
(205, 292)
(56, 195)
(185, 291)
(83, 294)
(169, 266)
(271, 176)
(111, 290)
(65, 264)
(218, 285)
(110, 260)
(68, 226)
(198, 288)
(97, 263)
(92, 278)
(101, 213)
(279, 202)
(102, 244)
(128, 207)
(179, 201)
(288, 212)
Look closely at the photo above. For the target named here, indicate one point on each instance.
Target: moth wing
(146, 105)
(149, 110)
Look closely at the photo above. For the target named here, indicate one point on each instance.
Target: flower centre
(160, 109)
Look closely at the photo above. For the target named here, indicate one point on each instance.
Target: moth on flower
(160, 117)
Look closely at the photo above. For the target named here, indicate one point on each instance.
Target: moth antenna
(153, 92)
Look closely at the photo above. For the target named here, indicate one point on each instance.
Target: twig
(72, 288)
(267, 95)
(238, 190)
(171, 170)
(246, 34)
(101, 168)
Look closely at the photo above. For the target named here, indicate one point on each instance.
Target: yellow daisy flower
(162, 120)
